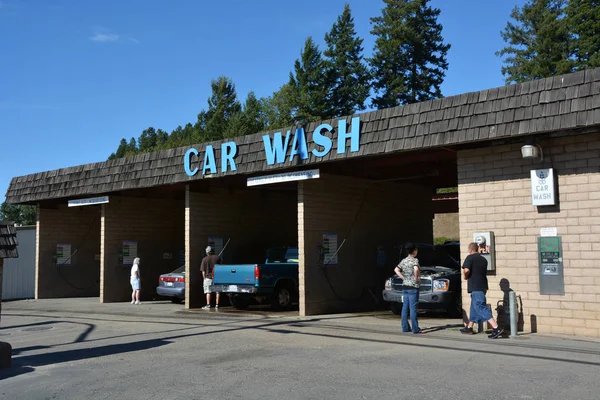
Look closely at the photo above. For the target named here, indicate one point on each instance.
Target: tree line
(408, 64)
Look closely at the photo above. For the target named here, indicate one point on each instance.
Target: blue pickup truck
(275, 281)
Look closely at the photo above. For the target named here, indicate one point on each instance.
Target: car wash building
(525, 158)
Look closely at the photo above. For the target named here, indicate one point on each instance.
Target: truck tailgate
(240, 274)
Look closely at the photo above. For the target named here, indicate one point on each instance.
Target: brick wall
(158, 227)
(254, 219)
(495, 195)
(79, 227)
(369, 215)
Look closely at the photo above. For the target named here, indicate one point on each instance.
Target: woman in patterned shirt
(409, 271)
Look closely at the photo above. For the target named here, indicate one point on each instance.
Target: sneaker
(496, 333)
(418, 332)
(206, 307)
(138, 302)
(217, 307)
(467, 331)
(132, 302)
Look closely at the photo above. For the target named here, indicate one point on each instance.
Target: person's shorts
(207, 284)
(135, 284)
(479, 309)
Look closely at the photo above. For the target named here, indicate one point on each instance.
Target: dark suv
(440, 280)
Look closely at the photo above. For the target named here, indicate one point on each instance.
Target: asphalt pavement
(81, 349)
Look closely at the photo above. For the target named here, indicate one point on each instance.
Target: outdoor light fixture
(532, 151)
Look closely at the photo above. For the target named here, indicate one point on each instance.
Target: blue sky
(76, 76)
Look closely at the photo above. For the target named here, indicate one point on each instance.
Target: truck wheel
(396, 308)
(239, 302)
(282, 298)
(176, 300)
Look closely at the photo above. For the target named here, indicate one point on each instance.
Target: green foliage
(278, 108)
(222, 105)
(443, 239)
(19, 214)
(538, 42)
(583, 21)
(409, 58)
(308, 83)
(347, 76)
(447, 190)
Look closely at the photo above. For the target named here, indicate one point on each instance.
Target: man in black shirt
(475, 273)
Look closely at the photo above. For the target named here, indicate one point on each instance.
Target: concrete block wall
(254, 219)
(158, 226)
(80, 227)
(446, 225)
(495, 195)
(369, 215)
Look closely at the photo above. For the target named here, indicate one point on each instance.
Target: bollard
(480, 327)
(512, 297)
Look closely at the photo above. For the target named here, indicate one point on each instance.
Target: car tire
(283, 297)
(239, 302)
(176, 300)
(396, 308)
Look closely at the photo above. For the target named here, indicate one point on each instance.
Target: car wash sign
(542, 187)
(278, 149)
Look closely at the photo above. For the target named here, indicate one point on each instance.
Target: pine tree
(347, 76)
(254, 116)
(147, 140)
(538, 42)
(409, 57)
(279, 108)
(583, 21)
(308, 82)
(222, 105)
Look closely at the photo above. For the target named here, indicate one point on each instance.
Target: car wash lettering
(278, 149)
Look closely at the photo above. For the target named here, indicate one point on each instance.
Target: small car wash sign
(542, 187)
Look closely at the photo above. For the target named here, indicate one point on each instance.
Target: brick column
(194, 296)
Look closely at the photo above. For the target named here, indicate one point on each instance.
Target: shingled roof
(560, 103)
(8, 240)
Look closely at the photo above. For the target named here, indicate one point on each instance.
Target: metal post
(480, 327)
(512, 297)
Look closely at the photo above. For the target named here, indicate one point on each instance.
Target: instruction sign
(216, 243)
(330, 247)
(130, 251)
(63, 254)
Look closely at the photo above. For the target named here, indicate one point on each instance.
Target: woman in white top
(135, 281)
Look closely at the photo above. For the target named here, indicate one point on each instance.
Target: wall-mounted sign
(63, 254)
(548, 232)
(88, 202)
(486, 243)
(130, 251)
(278, 149)
(285, 177)
(330, 248)
(542, 187)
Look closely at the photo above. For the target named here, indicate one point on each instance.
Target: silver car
(172, 285)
